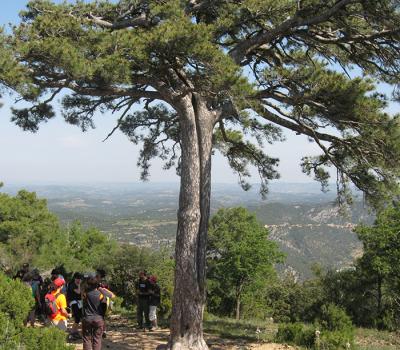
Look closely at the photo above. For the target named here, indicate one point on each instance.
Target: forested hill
(300, 217)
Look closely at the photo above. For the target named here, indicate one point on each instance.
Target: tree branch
(140, 21)
(246, 46)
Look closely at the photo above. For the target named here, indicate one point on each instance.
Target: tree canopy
(226, 75)
(30, 233)
(309, 66)
(239, 255)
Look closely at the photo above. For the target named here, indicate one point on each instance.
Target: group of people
(86, 298)
(148, 299)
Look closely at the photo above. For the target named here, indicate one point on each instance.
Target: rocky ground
(121, 335)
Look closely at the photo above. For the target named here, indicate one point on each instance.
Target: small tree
(380, 262)
(239, 252)
(26, 229)
(221, 70)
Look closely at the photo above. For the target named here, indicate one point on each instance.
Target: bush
(44, 339)
(296, 333)
(333, 318)
(15, 303)
(334, 325)
(336, 328)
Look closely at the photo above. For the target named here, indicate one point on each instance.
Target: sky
(61, 153)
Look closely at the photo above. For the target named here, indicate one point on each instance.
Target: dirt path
(123, 336)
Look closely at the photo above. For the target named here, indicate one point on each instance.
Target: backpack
(50, 305)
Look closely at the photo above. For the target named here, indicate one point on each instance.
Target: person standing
(101, 275)
(56, 273)
(142, 294)
(56, 305)
(37, 284)
(75, 303)
(27, 280)
(154, 301)
(93, 296)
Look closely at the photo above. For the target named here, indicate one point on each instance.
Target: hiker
(154, 301)
(36, 285)
(28, 281)
(21, 272)
(56, 305)
(44, 290)
(93, 296)
(74, 300)
(37, 291)
(101, 275)
(142, 293)
(56, 273)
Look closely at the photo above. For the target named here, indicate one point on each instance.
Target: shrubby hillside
(301, 219)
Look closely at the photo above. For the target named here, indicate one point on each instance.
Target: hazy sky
(62, 153)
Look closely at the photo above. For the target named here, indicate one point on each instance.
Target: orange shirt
(61, 302)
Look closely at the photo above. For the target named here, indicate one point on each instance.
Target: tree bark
(197, 124)
(238, 308)
(238, 300)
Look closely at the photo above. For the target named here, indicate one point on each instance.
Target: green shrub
(334, 325)
(15, 300)
(296, 333)
(334, 340)
(44, 339)
(333, 318)
(15, 303)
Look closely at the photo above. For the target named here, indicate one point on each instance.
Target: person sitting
(75, 303)
(93, 296)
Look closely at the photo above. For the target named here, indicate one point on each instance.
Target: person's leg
(153, 316)
(60, 324)
(139, 313)
(32, 317)
(98, 327)
(76, 313)
(146, 314)
(86, 335)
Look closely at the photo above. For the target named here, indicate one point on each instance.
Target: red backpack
(50, 305)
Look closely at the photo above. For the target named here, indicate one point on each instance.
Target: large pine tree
(217, 74)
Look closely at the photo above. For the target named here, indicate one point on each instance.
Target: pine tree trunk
(194, 210)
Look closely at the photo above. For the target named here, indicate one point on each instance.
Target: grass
(372, 339)
(232, 329)
(228, 328)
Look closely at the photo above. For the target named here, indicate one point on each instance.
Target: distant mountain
(302, 219)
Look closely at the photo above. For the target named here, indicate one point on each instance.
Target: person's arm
(63, 305)
(107, 293)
